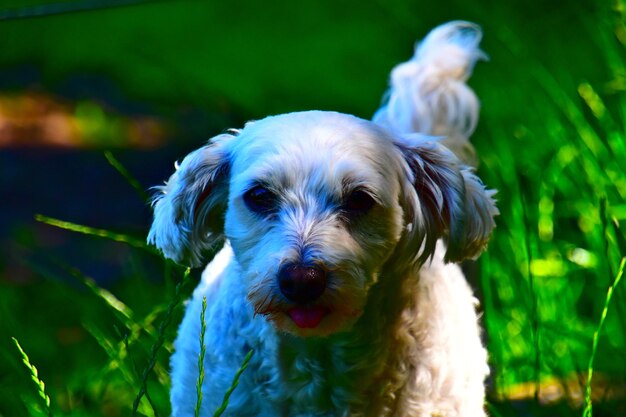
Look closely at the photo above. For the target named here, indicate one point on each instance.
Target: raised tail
(428, 94)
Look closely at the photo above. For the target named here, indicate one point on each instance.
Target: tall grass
(220, 410)
(561, 176)
(133, 329)
(588, 401)
(555, 148)
(160, 340)
(34, 375)
(201, 359)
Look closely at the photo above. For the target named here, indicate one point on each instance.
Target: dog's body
(334, 268)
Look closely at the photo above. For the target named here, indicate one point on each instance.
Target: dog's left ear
(445, 199)
(189, 209)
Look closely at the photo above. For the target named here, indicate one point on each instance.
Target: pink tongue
(307, 318)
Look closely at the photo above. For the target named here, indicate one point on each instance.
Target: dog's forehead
(305, 145)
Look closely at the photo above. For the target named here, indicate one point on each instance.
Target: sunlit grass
(158, 344)
(234, 384)
(34, 374)
(588, 402)
(132, 181)
(93, 231)
(202, 349)
(555, 148)
(561, 176)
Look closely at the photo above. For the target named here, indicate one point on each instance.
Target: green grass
(552, 141)
(220, 410)
(34, 374)
(588, 390)
(160, 340)
(560, 171)
(201, 359)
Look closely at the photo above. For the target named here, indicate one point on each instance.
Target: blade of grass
(587, 412)
(605, 233)
(232, 387)
(92, 231)
(534, 307)
(160, 340)
(132, 328)
(116, 356)
(621, 240)
(201, 358)
(124, 313)
(41, 387)
(115, 163)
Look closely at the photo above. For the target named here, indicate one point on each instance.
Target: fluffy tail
(428, 94)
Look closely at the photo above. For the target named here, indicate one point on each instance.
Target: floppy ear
(189, 208)
(445, 199)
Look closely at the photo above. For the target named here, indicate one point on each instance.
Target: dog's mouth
(307, 317)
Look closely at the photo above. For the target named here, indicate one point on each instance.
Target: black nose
(302, 284)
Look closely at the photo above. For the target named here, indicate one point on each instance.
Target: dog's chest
(327, 376)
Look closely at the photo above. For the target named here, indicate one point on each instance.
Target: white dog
(336, 234)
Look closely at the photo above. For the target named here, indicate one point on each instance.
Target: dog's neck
(361, 366)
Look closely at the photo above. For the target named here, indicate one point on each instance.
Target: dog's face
(315, 206)
(313, 215)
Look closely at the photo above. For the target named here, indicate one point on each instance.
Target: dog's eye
(260, 200)
(359, 202)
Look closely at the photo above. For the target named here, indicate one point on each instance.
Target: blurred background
(99, 98)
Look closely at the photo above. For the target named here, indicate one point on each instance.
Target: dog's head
(316, 205)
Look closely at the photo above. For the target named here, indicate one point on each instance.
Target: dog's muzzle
(303, 285)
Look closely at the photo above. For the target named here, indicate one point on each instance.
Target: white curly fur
(399, 334)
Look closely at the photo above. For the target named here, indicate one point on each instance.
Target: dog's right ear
(189, 209)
